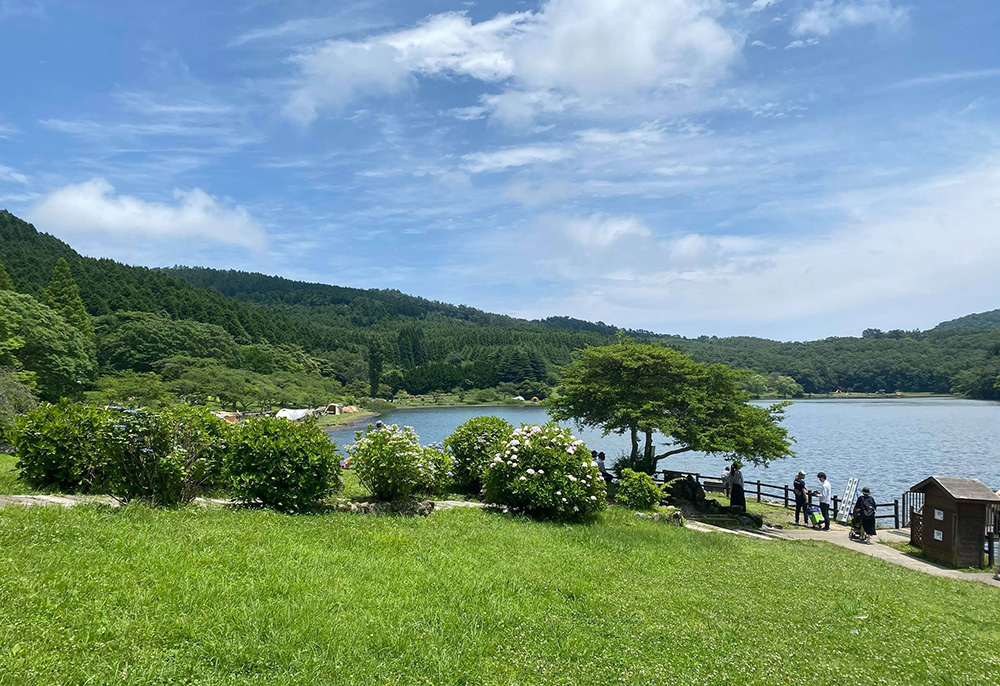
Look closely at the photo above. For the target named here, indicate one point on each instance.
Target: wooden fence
(777, 494)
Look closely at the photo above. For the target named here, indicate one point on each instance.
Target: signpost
(847, 504)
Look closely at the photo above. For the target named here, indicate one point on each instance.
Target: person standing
(865, 508)
(825, 499)
(801, 498)
(725, 480)
(737, 498)
(603, 468)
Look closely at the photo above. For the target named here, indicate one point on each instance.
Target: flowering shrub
(57, 447)
(473, 445)
(284, 465)
(439, 477)
(391, 464)
(163, 458)
(545, 471)
(637, 491)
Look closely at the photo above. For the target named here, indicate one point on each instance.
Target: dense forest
(259, 341)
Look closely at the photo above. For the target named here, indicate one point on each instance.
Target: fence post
(895, 512)
(833, 515)
(758, 490)
(990, 556)
(786, 495)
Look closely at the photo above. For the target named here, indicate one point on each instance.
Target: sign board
(847, 504)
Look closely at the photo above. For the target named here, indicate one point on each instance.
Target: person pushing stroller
(863, 517)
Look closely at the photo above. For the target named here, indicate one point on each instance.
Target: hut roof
(960, 489)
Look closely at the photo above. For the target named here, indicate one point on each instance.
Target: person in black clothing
(737, 498)
(865, 508)
(801, 498)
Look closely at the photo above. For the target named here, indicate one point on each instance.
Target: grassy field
(212, 596)
(8, 476)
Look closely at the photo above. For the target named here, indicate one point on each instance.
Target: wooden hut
(953, 520)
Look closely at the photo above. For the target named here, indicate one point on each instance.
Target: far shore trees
(639, 389)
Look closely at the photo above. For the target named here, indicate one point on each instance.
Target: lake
(889, 444)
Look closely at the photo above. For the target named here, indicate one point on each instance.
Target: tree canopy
(640, 389)
(35, 339)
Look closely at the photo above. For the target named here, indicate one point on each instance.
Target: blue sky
(786, 168)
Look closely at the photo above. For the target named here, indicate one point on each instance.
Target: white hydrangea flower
(531, 471)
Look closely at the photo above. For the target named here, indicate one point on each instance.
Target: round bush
(163, 458)
(58, 449)
(473, 445)
(545, 471)
(439, 477)
(390, 463)
(637, 491)
(284, 465)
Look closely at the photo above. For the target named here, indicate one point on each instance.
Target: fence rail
(774, 493)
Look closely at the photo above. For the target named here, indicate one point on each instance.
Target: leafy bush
(58, 448)
(545, 471)
(15, 399)
(637, 491)
(473, 445)
(164, 459)
(390, 463)
(440, 475)
(284, 465)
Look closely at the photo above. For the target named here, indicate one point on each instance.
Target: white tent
(293, 415)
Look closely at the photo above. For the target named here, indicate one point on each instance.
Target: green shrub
(58, 449)
(16, 399)
(637, 491)
(439, 478)
(284, 465)
(544, 471)
(165, 458)
(390, 463)
(474, 444)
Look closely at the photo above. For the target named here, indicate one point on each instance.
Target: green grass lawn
(213, 596)
(9, 483)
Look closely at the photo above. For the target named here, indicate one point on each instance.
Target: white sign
(938, 536)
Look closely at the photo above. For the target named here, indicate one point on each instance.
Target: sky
(793, 169)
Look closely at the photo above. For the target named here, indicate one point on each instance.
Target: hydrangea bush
(637, 491)
(287, 466)
(440, 476)
(473, 445)
(57, 447)
(390, 463)
(545, 471)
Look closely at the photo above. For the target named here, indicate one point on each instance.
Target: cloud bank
(93, 207)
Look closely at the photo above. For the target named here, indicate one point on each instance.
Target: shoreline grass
(215, 596)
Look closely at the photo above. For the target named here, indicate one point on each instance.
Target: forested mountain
(258, 339)
(983, 320)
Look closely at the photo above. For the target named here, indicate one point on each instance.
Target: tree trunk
(649, 454)
(635, 443)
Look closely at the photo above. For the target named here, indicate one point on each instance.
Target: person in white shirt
(825, 498)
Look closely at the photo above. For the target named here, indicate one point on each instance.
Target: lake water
(889, 444)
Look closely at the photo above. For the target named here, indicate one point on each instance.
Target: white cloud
(508, 158)
(826, 16)
(93, 207)
(795, 44)
(899, 248)
(585, 49)
(761, 5)
(8, 130)
(599, 231)
(8, 174)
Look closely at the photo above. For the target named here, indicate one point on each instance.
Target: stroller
(814, 516)
(858, 532)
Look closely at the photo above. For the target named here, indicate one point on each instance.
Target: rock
(407, 508)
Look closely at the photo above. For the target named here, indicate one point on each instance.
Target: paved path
(54, 500)
(838, 536)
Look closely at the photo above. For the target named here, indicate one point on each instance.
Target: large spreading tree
(641, 390)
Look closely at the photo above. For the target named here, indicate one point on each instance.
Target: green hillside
(983, 320)
(256, 340)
